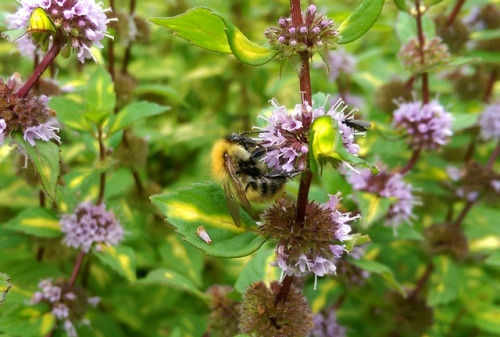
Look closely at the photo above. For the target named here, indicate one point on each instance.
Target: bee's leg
(260, 151)
(283, 175)
(257, 153)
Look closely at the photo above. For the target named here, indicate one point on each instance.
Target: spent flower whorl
(327, 326)
(489, 122)
(262, 316)
(428, 126)
(224, 316)
(287, 134)
(316, 31)
(68, 303)
(387, 185)
(446, 239)
(79, 24)
(89, 225)
(29, 114)
(434, 53)
(312, 246)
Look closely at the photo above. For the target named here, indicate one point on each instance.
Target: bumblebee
(237, 165)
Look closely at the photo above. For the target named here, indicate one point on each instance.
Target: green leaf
(401, 5)
(173, 278)
(28, 321)
(379, 269)
(486, 34)
(5, 285)
(464, 121)
(454, 63)
(361, 20)
(327, 146)
(493, 260)
(205, 205)
(487, 319)
(121, 259)
(100, 97)
(205, 28)
(201, 26)
(70, 113)
(13, 34)
(40, 222)
(46, 158)
(258, 269)
(356, 240)
(183, 258)
(485, 56)
(245, 50)
(134, 112)
(372, 207)
(446, 288)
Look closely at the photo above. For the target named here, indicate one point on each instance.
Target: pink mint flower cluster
(91, 225)
(29, 115)
(489, 122)
(327, 326)
(80, 24)
(68, 302)
(428, 126)
(387, 185)
(316, 31)
(324, 231)
(286, 134)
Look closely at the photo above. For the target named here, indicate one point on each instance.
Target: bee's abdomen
(264, 188)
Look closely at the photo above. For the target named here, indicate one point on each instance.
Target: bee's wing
(240, 191)
(232, 205)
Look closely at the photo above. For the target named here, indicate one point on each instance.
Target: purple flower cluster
(489, 122)
(320, 246)
(387, 185)
(428, 126)
(435, 52)
(80, 24)
(3, 127)
(68, 302)
(316, 31)
(327, 326)
(340, 62)
(29, 114)
(89, 225)
(43, 131)
(287, 133)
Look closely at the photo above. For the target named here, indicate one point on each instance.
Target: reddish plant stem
(76, 268)
(413, 160)
(409, 83)
(102, 157)
(296, 13)
(455, 12)
(463, 214)
(339, 302)
(470, 150)
(284, 290)
(421, 282)
(128, 50)
(490, 85)
(50, 333)
(306, 178)
(421, 44)
(493, 157)
(47, 60)
(111, 58)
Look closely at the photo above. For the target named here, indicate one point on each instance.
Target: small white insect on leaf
(202, 233)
